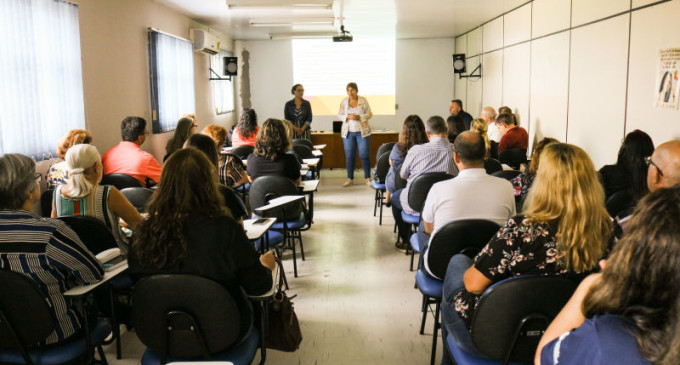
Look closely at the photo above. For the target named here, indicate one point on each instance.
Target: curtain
(172, 80)
(41, 84)
(223, 90)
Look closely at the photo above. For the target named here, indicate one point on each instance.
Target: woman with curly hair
(185, 128)
(629, 313)
(58, 172)
(246, 129)
(412, 133)
(270, 157)
(189, 231)
(564, 230)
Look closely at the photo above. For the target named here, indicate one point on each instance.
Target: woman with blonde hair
(82, 194)
(58, 172)
(628, 314)
(480, 126)
(564, 230)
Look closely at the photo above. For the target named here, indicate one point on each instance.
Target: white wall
(114, 49)
(424, 80)
(580, 78)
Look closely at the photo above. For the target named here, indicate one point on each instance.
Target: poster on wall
(667, 89)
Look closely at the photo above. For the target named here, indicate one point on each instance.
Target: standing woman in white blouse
(355, 113)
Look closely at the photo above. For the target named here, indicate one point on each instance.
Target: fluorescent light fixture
(292, 22)
(301, 35)
(310, 6)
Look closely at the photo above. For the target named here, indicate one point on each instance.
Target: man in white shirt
(471, 195)
(489, 114)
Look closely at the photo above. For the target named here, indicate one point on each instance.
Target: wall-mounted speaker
(459, 63)
(230, 66)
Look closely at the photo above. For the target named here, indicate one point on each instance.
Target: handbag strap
(282, 276)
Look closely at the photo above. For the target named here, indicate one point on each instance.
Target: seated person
(83, 195)
(523, 181)
(412, 133)
(433, 156)
(128, 158)
(627, 314)
(513, 135)
(205, 144)
(564, 230)
(246, 129)
(628, 177)
(270, 157)
(663, 171)
(190, 232)
(58, 172)
(471, 195)
(46, 250)
(185, 128)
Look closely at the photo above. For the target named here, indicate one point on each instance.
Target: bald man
(663, 172)
(664, 166)
(489, 114)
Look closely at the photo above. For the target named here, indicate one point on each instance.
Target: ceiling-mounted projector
(343, 36)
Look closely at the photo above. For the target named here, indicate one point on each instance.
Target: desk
(311, 161)
(255, 231)
(83, 289)
(319, 146)
(278, 203)
(334, 153)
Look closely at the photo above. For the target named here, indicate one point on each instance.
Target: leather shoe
(401, 245)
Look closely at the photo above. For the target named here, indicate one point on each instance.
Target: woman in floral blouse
(564, 230)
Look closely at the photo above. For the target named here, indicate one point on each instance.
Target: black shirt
(283, 165)
(217, 249)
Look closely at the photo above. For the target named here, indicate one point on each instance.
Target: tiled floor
(356, 302)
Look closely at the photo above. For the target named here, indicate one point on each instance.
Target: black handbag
(283, 329)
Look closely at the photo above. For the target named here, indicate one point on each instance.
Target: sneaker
(368, 181)
(347, 183)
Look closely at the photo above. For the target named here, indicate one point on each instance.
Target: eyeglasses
(648, 161)
(38, 177)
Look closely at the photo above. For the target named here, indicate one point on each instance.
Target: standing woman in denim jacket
(355, 113)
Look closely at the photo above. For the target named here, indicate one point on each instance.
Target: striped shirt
(434, 156)
(94, 205)
(53, 256)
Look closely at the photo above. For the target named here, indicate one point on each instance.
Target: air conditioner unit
(204, 41)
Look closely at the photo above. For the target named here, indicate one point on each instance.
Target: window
(223, 90)
(41, 83)
(172, 80)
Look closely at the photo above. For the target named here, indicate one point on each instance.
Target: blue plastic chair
(206, 322)
(510, 320)
(378, 183)
(26, 320)
(417, 195)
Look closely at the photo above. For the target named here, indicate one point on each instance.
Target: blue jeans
(353, 140)
(402, 227)
(451, 321)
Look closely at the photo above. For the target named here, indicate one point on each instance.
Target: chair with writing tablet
(27, 318)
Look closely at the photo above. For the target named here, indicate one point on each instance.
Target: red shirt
(129, 159)
(516, 137)
(238, 140)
